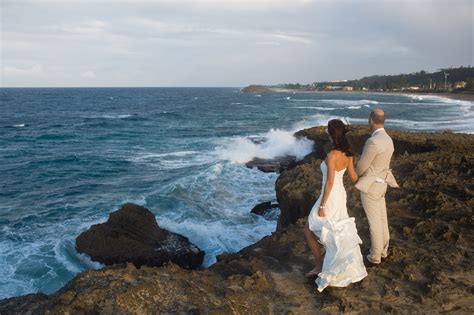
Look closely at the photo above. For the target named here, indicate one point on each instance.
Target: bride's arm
(331, 164)
(351, 170)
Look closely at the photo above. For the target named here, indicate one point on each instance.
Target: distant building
(332, 87)
(460, 84)
(347, 88)
(414, 88)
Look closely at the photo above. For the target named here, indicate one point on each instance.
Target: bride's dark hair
(337, 130)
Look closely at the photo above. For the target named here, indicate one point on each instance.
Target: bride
(329, 222)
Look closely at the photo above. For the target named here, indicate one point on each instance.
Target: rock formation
(263, 208)
(131, 234)
(278, 164)
(256, 89)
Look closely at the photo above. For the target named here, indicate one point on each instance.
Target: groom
(375, 175)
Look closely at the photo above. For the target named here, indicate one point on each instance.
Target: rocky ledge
(429, 268)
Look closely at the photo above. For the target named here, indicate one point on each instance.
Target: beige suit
(374, 173)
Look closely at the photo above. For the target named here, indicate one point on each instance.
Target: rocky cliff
(429, 268)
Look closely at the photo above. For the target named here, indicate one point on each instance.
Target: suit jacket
(373, 167)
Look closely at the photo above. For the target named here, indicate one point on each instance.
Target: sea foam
(466, 106)
(315, 107)
(349, 102)
(229, 191)
(172, 160)
(440, 99)
(275, 143)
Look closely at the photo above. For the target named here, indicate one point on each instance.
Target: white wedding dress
(343, 263)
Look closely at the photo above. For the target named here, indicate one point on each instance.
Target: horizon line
(117, 87)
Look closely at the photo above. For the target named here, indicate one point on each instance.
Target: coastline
(429, 214)
(453, 96)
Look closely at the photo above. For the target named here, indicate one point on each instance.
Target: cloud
(22, 75)
(89, 74)
(88, 27)
(243, 4)
(12, 71)
(174, 30)
(293, 38)
(227, 42)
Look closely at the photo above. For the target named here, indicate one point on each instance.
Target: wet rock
(278, 164)
(132, 234)
(267, 210)
(264, 207)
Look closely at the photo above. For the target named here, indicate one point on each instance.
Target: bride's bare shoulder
(335, 154)
(331, 155)
(334, 157)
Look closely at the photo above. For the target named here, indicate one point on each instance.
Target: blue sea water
(69, 156)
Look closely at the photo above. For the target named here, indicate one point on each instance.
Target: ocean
(70, 156)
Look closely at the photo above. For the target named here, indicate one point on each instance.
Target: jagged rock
(263, 208)
(132, 234)
(278, 164)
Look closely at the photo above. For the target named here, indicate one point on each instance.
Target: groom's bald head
(377, 116)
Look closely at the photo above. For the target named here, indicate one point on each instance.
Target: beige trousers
(376, 212)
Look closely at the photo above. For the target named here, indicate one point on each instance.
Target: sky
(115, 43)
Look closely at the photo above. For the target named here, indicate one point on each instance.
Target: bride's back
(340, 161)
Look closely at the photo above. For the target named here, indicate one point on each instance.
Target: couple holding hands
(329, 222)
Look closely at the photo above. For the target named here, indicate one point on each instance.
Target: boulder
(264, 207)
(131, 234)
(278, 164)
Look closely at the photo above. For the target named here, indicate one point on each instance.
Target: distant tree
(390, 82)
(469, 85)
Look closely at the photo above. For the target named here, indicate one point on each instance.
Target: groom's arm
(368, 155)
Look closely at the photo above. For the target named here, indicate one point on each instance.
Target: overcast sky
(227, 42)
